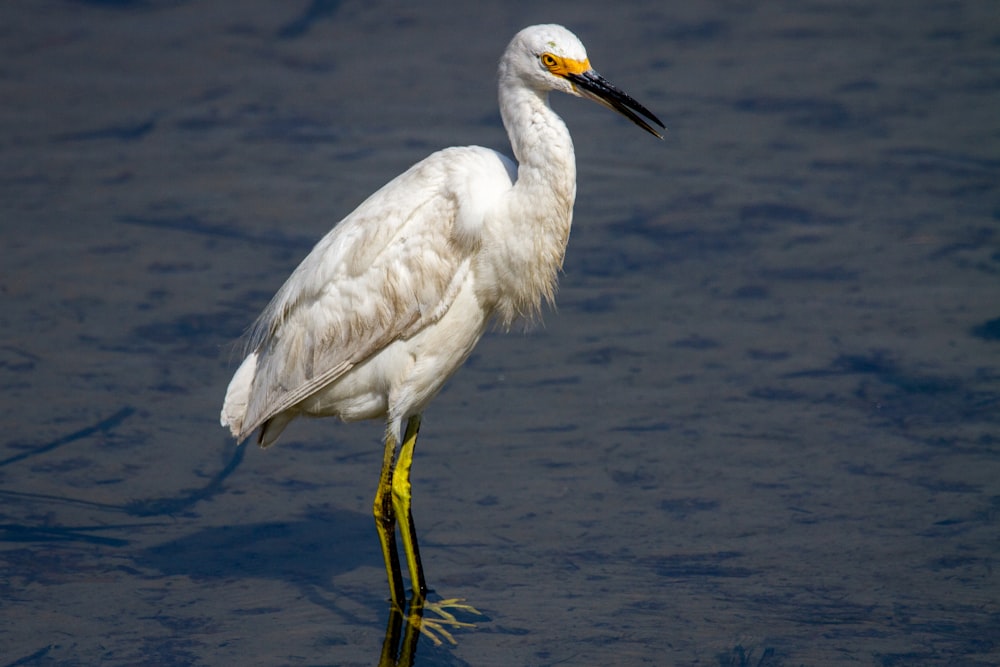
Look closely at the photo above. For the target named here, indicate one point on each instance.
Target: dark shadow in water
(309, 551)
(701, 565)
(194, 225)
(307, 554)
(150, 507)
(19, 533)
(113, 4)
(317, 10)
(177, 504)
(102, 426)
(989, 330)
(124, 131)
(900, 395)
(743, 657)
(31, 659)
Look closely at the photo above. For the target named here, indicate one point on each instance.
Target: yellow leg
(385, 523)
(401, 495)
(392, 502)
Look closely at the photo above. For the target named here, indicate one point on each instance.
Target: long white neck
(538, 210)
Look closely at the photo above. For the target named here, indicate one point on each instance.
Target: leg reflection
(394, 653)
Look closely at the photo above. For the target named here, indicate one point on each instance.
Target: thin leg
(385, 523)
(401, 502)
(392, 502)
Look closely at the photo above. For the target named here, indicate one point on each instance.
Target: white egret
(392, 300)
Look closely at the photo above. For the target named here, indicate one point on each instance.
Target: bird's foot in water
(438, 628)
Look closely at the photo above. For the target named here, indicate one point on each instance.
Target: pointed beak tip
(593, 85)
(659, 134)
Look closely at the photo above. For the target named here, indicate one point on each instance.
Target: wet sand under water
(762, 428)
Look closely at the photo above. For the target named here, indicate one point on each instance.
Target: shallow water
(762, 427)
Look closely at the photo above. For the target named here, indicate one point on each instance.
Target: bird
(393, 299)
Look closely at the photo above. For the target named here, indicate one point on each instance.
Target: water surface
(762, 427)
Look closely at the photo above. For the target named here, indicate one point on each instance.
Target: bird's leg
(436, 628)
(385, 522)
(401, 495)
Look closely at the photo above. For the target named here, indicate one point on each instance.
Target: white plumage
(393, 299)
(363, 312)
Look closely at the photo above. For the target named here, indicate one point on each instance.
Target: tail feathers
(234, 408)
(272, 428)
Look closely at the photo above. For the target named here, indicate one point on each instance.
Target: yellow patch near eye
(564, 66)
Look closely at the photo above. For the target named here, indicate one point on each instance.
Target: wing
(390, 268)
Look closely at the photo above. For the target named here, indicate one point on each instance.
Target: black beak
(592, 85)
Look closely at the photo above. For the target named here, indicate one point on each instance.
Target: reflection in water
(394, 653)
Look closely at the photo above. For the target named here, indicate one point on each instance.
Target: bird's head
(550, 57)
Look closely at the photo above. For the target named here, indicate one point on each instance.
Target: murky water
(762, 428)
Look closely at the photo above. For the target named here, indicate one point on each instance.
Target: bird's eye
(549, 60)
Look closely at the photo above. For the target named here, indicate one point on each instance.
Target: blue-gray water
(762, 427)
